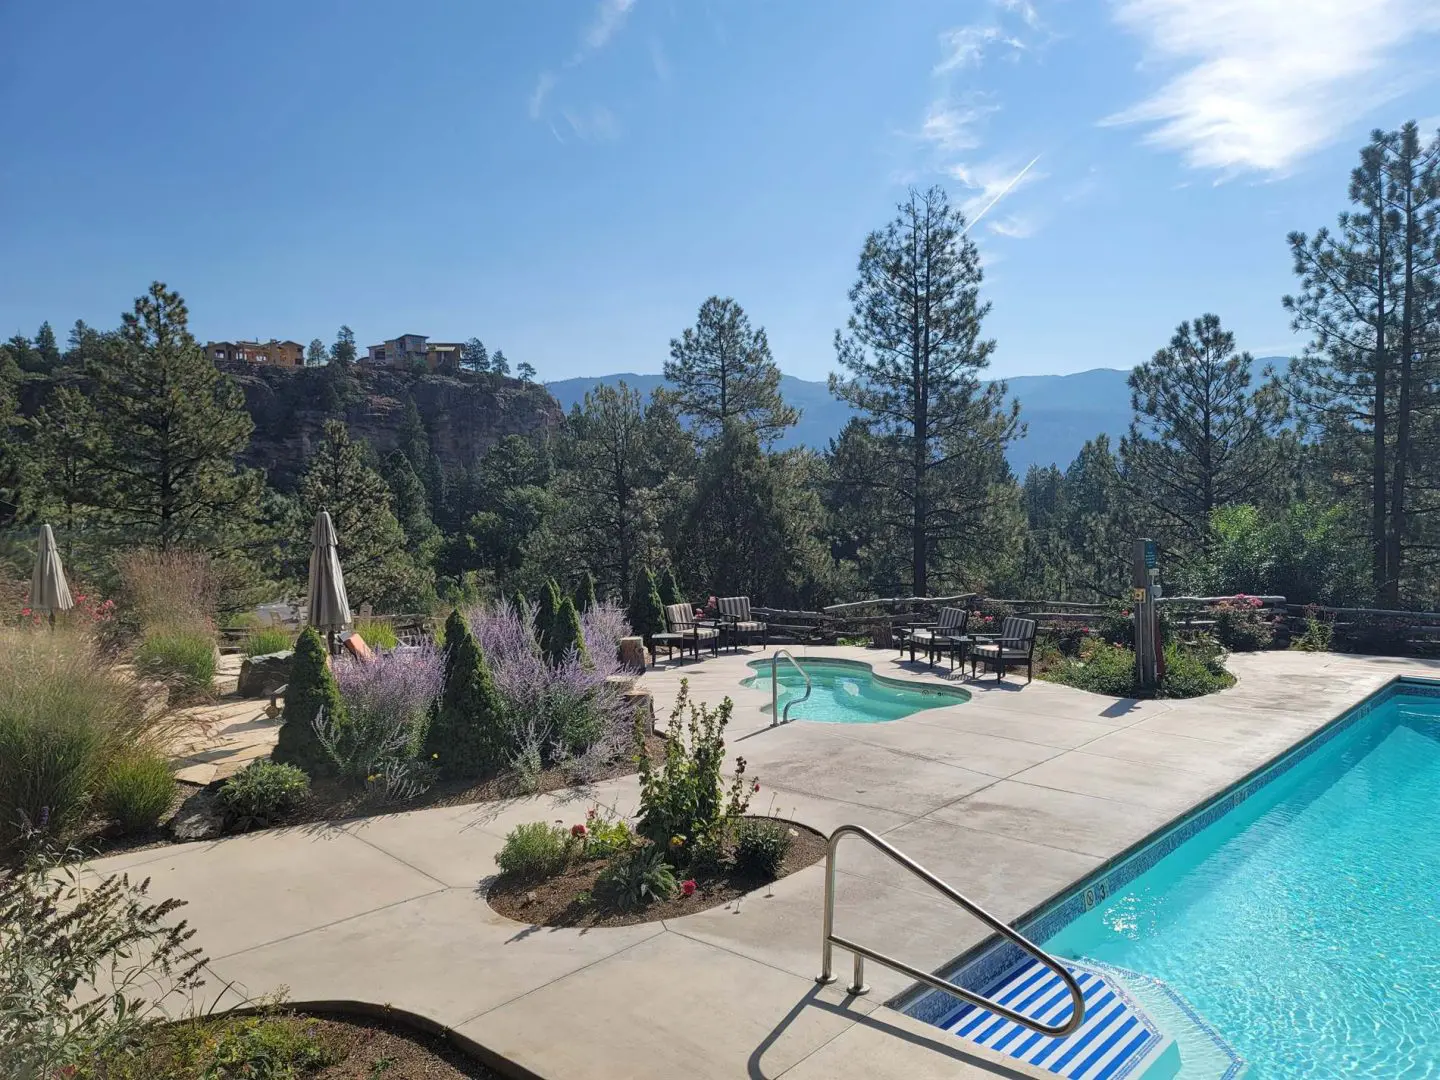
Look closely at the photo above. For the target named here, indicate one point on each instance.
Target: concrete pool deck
(1010, 797)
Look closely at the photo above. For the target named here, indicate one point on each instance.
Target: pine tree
(83, 344)
(565, 635)
(311, 689)
(47, 347)
(344, 351)
(316, 355)
(498, 364)
(545, 614)
(59, 487)
(914, 357)
(473, 356)
(411, 508)
(525, 371)
(1201, 438)
(468, 732)
(585, 592)
(722, 368)
(371, 542)
(646, 612)
(169, 427)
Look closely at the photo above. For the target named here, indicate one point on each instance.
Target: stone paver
(1010, 797)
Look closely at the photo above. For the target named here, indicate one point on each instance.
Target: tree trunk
(1380, 574)
(1396, 542)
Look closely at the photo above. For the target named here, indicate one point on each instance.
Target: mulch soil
(557, 902)
(376, 1050)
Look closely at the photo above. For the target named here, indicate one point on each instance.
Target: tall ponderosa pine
(1368, 379)
(646, 611)
(311, 690)
(1201, 438)
(316, 355)
(468, 732)
(371, 543)
(914, 355)
(411, 508)
(169, 428)
(721, 369)
(47, 347)
(473, 356)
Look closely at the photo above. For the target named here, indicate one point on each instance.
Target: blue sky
(569, 179)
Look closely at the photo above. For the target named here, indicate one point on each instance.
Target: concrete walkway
(1010, 797)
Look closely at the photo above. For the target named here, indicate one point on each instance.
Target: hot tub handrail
(775, 715)
(860, 952)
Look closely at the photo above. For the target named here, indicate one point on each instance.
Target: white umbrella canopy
(49, 592)
(329, 606)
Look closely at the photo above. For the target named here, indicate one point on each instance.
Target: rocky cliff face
(465, 415)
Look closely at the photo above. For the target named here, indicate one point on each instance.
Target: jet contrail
(1003, 192)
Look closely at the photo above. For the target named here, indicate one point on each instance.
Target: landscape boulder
(261, 676)
(198, 818)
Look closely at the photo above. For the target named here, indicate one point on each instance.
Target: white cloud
(965, 46)
(953, 126)
(1014, 226)
(543, 86)
(608, 18)
(1266, 82)
(593, 123)
(991, 180)
(1024, 9)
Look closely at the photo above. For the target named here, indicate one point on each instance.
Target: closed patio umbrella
(48, 590)
(329, 606)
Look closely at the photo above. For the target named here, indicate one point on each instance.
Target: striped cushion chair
(735, 611)
(680, 622)
(952, 624)
(1015, 643)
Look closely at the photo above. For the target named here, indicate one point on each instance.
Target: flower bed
(573, 897)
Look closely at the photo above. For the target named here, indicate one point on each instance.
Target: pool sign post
(1144, 571)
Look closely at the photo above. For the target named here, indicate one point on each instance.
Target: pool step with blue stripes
(1117, 1041)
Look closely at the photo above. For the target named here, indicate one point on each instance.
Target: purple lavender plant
(387, 704)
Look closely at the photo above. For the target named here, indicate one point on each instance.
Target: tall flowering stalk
(387, 703)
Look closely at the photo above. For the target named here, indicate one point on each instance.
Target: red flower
(24, 611)
(577, 830)
(755, 787)
(688, 887)
(590, 813)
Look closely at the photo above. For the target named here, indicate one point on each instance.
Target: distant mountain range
(1060, 411)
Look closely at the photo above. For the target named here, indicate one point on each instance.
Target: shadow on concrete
(944, 1044)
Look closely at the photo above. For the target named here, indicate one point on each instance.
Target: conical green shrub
(585, 592)
(311, 688)
(467, 735)
(646, 612)
(545, 614)
(670, 589)
(565, 635)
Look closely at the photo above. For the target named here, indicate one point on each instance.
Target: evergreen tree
(549, 608)
(311, 689)
(12, 454)
(670, 588)
(498, 364)
(473, 356)
(1201, 438)
(519, 603)
(168, 429)
(371, 542)
(344, 351)
(585, 592)
(646, 611)
(914, 356)
(411, 508)
(46, 347)
(721, 368)
(525, 371)
(316, 355)
(83, 344)
(1098, 522)
(468, 731)
(565, 635)
(58, 486)
(414, 441)
(1367, 382)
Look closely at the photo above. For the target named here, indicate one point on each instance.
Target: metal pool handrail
(1077, 999)
(775, 716)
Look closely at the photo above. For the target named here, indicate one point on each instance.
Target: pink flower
(688, 887)
(577, 830)
(25, 611)
(755, 787)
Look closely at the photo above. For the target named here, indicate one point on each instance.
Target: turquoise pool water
(848, 692)
(1304, 924)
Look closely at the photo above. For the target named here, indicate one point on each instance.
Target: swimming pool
(849, 692)
(1297, 918)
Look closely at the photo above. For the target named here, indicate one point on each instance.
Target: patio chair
(680, 626)
(949, 630)
(1015, 643)
(735, 613)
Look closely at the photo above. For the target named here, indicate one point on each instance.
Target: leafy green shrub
(378, 633)
(683, 802)
(138, 791)
(311, 691)
(85, 968)
(761, 845)
(261, 794)
(535, 851)
(183, 658)
(635, 878)
(264, 640)
(468, 734)
(1319, 631)
(646, 612)
(604, 835)
(1102, 668)
(65, 715)
(258, 1048)
(1194, 670)
(1306, 555)
(1241, 626)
